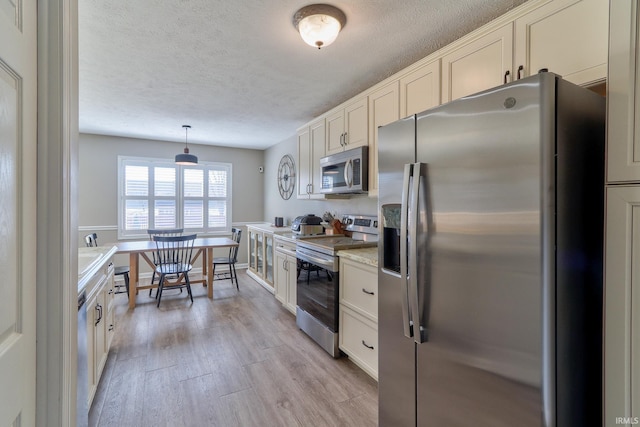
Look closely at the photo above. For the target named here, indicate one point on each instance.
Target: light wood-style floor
(236, 360)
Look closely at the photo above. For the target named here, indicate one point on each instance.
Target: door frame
(57, 229)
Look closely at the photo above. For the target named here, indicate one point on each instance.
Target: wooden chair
(173, 254)
(91, 240)
(161, 232)
(230, 261)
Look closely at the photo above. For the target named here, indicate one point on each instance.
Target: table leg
(134, 268)
(208, 259)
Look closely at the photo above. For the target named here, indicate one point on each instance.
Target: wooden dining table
(203, 249)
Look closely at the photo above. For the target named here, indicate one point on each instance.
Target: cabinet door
(623, 115)
(420, 89)
(622, 305)
(260, 253)
(478, 65)
(292, 283)
(317, 143)
(91, 356)
(304, 165)
(335, 132)
(110, 318)
(96, 339)
(101, 327)
(253, 254)
(384, 108)
(568, 37)
(281, 277)
(356, 122)
(268, 258)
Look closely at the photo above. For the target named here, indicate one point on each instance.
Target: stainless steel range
(319, 278)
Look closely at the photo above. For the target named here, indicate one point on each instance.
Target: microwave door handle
(407, 322)
(348, 173)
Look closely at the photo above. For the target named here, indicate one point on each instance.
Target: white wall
(274, 205)
(98, 179)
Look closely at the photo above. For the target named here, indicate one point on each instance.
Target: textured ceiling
(237, 71)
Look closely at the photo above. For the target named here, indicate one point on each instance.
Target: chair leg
(153, 278)
(186, 279)
(159, 291)
(234, 275)
(126, 282)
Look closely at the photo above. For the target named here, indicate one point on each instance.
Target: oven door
(317, 288)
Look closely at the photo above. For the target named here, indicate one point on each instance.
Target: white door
(18, 50)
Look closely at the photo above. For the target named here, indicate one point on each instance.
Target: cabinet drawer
(359, 339)
(359, 288)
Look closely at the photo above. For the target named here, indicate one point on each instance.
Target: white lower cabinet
(358, 321)
(622, 303)
(100, 324)
(286, 274)
(260, 253)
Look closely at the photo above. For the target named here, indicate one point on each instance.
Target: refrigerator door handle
(420, 330)
(348, 173)
(407, 322)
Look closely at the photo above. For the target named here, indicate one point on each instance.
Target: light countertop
(90, 260)
(270, 228)
(367, 256)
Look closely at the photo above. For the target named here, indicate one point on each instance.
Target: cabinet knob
(367, 292)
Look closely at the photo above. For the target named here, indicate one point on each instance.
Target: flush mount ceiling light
(186, 158)
(319, 24)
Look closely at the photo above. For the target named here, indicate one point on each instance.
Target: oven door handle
(317, 261)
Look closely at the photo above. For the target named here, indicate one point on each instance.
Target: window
(157, 193)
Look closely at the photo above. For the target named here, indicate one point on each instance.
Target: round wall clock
(286, 176)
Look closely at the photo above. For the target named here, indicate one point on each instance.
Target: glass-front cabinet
(268, 256)
(252, 250)
(261, 252)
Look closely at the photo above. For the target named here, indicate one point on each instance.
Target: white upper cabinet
(623, 116)
(420, 89)
(347, 127)
(311, 143)
(568, 37)
(480, 64)
(384, 108)
(303, 177)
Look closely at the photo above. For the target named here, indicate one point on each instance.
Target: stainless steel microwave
(345, 172)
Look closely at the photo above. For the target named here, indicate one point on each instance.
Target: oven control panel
(361, 223)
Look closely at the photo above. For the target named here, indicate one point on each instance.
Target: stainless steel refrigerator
(490, 260)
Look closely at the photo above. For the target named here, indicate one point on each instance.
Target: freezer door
(396, 356)
(481, 362)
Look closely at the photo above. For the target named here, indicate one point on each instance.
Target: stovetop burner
(365, 235)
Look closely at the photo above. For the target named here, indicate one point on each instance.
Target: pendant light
(319, 24)
(186, 158)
